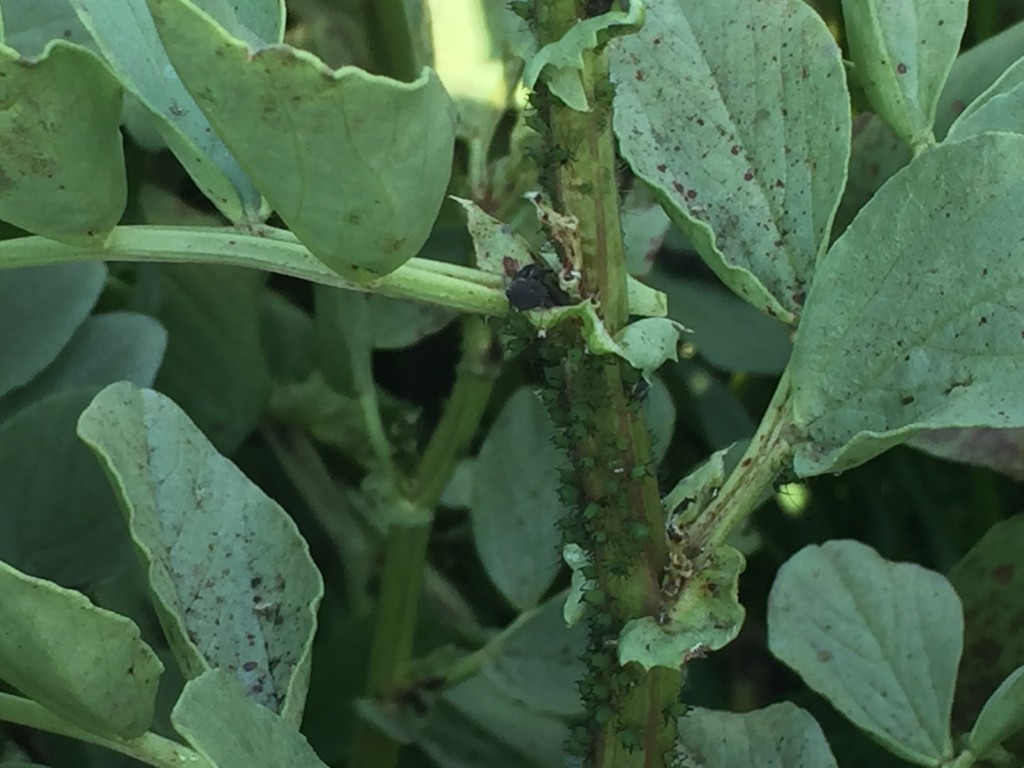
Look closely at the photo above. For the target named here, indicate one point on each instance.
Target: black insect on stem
(536, 287)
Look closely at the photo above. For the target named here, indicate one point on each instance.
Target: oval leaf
(62, 169)
(729, 334)
(356, 165)
(999, 108)
(913, 321)
(732, 107)
(233, 580)
(229, 729)
(129, 41)
(779, 736)
(29, 25)
(540, 662)
(880, 640)
(903, 52)
(84, 663)
(990, 581)
(72, 531)
(116, 346)
(516, 509)
(212, 317)
(1001, 717)
(998, 449)
(40, 310)
(475, 718)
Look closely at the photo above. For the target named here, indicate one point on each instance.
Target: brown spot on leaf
(901, 68)
(824, 656)
(1003, 573)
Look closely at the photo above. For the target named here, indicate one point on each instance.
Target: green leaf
(880, 640)
(779, 736)
(732, 106)
(539, 663)
(720, 417)
(288, 337)
(129, 41)
(990, 581)
(100, 675)
(215, 367)
(660, 416)
(62, 171)
(700, 611)
(903, 52)
(911, 322)
(397, 324)
(998, 449)
(29, 25)
(974, 71)
(231, 576)
(999, 108)
(40, 310)
(727, 332)
(878, 153)
(560, 64)
(1001, 717)
(703, 615)
(70, 531)
(362, 204)
(118, 346)
(644, 226)
(516, 509)
(476, 718)
(648, 343)
(229, 729)
(495, 243)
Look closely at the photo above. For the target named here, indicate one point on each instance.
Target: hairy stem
(609, 443)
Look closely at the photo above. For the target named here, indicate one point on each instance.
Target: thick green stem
(276, 250)
(271, 250)
(478, 369)
(405, 552)
(609, 441)
(149, 748)
(405, 557)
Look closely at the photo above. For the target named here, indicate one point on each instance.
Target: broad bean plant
(227, 541)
